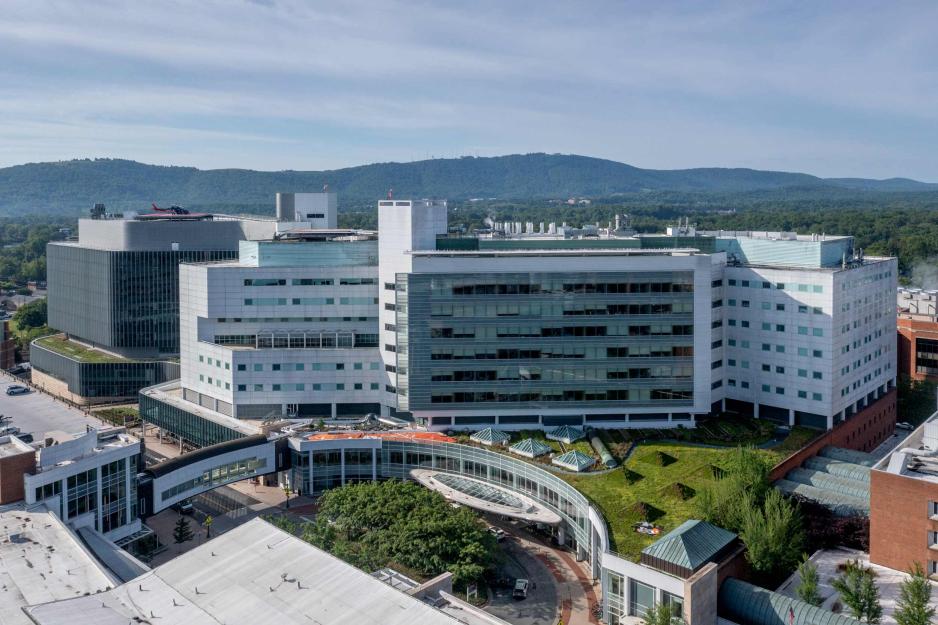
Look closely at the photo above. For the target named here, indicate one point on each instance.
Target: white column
(374, 465)
(791, 417)
(342, 461)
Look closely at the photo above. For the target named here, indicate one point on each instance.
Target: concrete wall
(700, 596)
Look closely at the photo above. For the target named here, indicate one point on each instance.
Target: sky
(828, 88)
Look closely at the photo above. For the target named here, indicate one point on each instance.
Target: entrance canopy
(485, 497)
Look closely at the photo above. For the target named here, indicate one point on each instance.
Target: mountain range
(73, 186)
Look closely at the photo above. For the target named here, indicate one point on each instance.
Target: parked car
(17, 389)
(23, 367)
(184, 507)
(904, 425)
(521, 589)
(26, 438)
(498, 533)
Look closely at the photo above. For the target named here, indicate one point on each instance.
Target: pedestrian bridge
(177, 479)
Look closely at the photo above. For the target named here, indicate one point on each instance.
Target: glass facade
(102, 379)
(114, 494)
(614, 597)
(528, 341)
(119, 299)
(192, 428)
(641, 597)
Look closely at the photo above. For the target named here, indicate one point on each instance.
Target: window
(766, 347)
(802, 309)
(258, 387)
(641, 597)
(779, 369)
(242, 387)
(802, 330)
(766, 388)
(817, 353)
(780, 349)
(242, 367)
(802, 394)
(817, 375)
(802, 373)
(779, 390)
(816, 396)
(779, 327)
(258, 367)
(767, 368)
(766, 306)
(817, 331)
(766, 326)
(745, 303)
(780, 307)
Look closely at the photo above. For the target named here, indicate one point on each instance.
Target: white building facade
(536, 328)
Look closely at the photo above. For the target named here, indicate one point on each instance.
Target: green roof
(745, 603)
(575, 460)
(59, 344)
(690, 545)
(565, 433)
(531, 448)
(490, 436)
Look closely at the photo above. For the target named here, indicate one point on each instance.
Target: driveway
(541, 607)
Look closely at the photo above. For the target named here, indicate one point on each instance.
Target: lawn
(659, 483)
(61, 345)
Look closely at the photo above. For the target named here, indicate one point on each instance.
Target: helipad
(485, 496)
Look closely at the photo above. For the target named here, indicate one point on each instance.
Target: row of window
(307, 281)
(778, 307)
(218, 475)
(315, 366)
(302, 386)
(561, 374)
(780, 286)
(308, 301)
(297, 339)
(291, 319)
(483, 332)
(555, 309)
(562, 351)
(779, 349)
(568, 395)
(554, 287)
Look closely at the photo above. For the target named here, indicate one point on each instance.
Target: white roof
(252, 574)
(41, 560)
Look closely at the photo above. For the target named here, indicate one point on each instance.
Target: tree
(660, 614)
(31, 315)
(744, 484)
(772, 533)
(857, 588)
(287, 491)
(914, 596)
(207, 524)
(182, 532)
(807, 589)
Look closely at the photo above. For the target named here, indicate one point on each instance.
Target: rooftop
(690, 545)
(41, 560)
(12, 446)
(61, 344)
(254, 573)
(171, 393)
(916, 456)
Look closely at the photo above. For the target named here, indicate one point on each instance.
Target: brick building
(917, 334)
(904, 503)
(16, 458)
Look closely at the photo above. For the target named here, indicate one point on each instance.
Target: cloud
(834, 89)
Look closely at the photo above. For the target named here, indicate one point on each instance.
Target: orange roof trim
(404, 437)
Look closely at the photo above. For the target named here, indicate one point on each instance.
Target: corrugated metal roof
(530, 447)
(575, 460)
(848, 455)
(566, 434)
(491, 436)
(691, 544)
(745, 603)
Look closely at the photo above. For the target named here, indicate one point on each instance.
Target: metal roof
(745, 603)
(575, 460)
(565, 434)
(530, 447)
(254, 573)
(848, 455)
(690, 545)
(490, 436)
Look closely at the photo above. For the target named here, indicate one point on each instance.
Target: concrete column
(670, 417)
(342, 461)
(791, 417)
(755, 410)
(561, 534)
(374, 465)
(830, 422)
(333, 416)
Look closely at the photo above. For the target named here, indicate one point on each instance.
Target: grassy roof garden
(60, 344)
(658, 484)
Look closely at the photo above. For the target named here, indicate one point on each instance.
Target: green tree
(31, 315)
(773, 533)
(207, 524)
(660, 614)
(182, 532)
(744, 484)
(807, 589)
(857, 588)
(914, 596)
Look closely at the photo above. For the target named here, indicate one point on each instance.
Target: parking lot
(37, 413)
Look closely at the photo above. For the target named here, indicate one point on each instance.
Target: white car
(904, 425)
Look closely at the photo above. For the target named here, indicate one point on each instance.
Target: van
(521, 589)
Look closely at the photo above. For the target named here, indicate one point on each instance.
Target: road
(541, 607)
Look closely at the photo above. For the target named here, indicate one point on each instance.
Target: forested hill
(72, 186)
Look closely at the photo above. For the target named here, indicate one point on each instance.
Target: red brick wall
(12, 469)
(907, 330)
(899, 521)
(863, 431)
